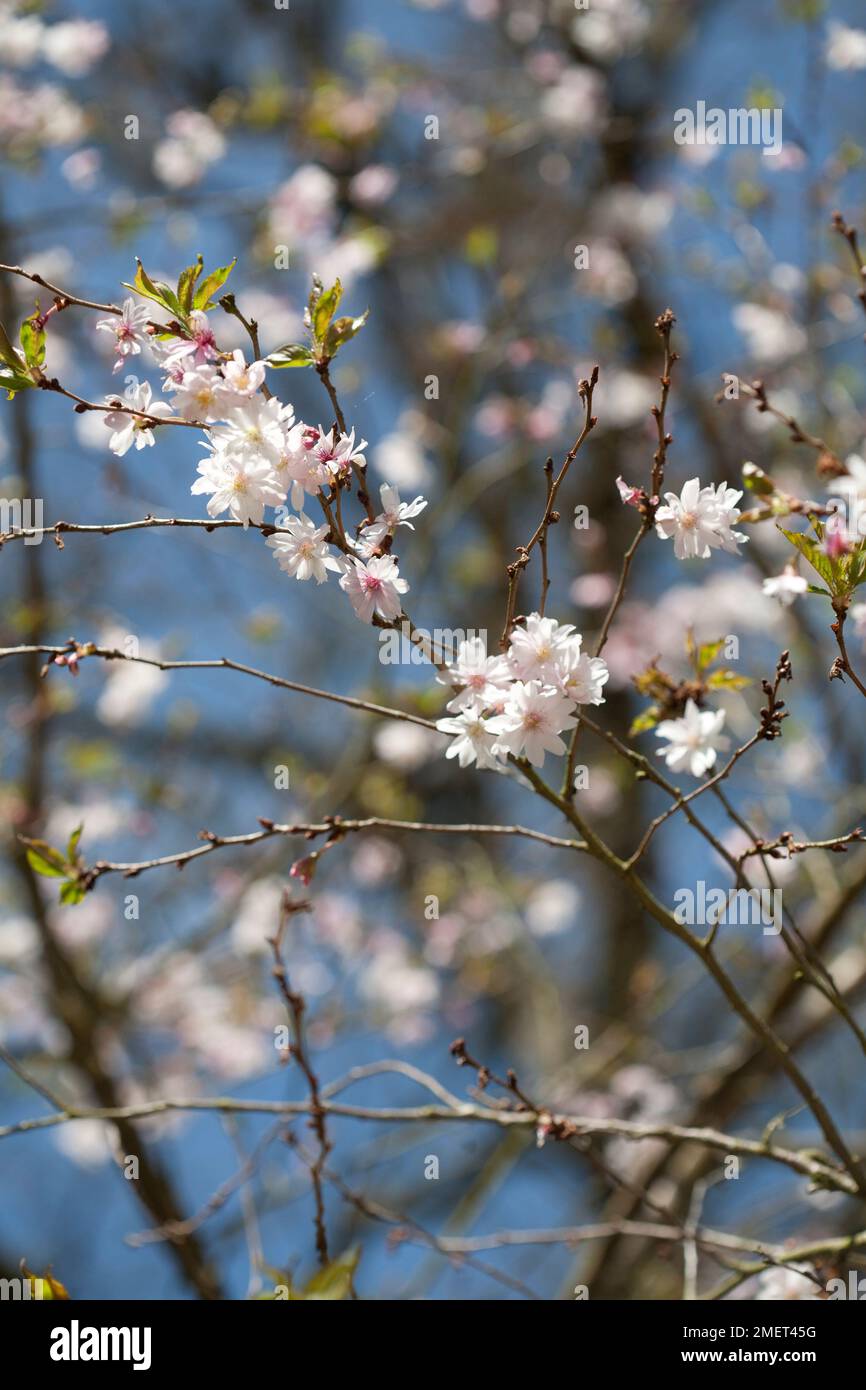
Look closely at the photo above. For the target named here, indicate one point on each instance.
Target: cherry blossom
(532, 720)
(484, 678)
(630, 496)
(394, 513)
(243, 378)
(201, 345)
(301, 550)
(474, 739)
(259, 427)
(199, 394)
(128, 429)
(699, 520)
(298, 466)
(785, 587)
(241, 483)
(693, 740)
(127, 327)
(374, 588)
(845, 48)
(338, 452)
(581, 677)
(535, 646)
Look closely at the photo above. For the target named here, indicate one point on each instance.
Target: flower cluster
(520, 703)
(258, 455)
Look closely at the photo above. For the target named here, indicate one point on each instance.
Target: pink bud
(631, 496)
(836, 542)
(304, 868)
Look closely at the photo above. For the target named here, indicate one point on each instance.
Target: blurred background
(266, 130)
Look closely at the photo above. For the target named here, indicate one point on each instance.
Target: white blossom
(199, 394)
(845, 48)
(535, 646)
(693, 740)
(581, 677)
(298, 466)
(474, 740)
(301, 550)
(241, 483)
(394, 513)
(785, 587)
(484, 678)
(243, 378)
(128, 429)
(193, 142)
(700, 520)
(533, 718)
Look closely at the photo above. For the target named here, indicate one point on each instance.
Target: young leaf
(292, 355)
(727, 680)
(44, 859)
(707, 654)
(8, 353)
(204, 295)
(11, 381)
(72, 846)
(334, 1282)
(186, 284)
(647, 720)
(155, 290)
(341, 330)
(756, 480)
(32, 337)
(71, 892)
(324, 310)
(819, 561)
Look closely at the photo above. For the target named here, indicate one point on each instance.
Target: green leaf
(207, 289)
(44, 859)
(707, 654)
(816, 589)
(155, 290)
(8, 353)
(71, 892)
(727, 680)
(11, 381)
(32, 338)
(324, 310)
(341, 330)
(812, 551)
(292, 355)
(647, 720)
(756, 480)
(186, 284)
(72, 846)
(334, 1282)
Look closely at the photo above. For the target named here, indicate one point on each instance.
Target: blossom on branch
(700, 520)
(300, 548)
(532, 720)
(374, 588)
(128, 429)
(694, 740)
(128, 329)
